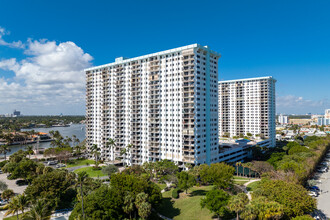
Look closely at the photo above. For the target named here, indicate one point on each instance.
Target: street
(323, 200)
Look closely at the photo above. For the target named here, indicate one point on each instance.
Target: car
(312, 193)
(3, 202)
(51, 163)
(21, 182)
(60, 165)
(1, 172)
(316, 188)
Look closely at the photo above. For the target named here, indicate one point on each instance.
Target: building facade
(283, 119)
(327, 114)
(247, 106)
(158, 106)
(323, 121)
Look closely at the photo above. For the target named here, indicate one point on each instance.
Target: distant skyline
(45, 45)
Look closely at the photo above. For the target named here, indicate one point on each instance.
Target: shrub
(96, 168)
(2, 163)
(175, 193)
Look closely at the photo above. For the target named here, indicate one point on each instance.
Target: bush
(96, 168)
(2, 163)
(175, 193)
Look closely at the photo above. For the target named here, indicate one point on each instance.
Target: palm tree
(238, 164)
(75, 140)
(111, 144)
(81, 179)
(13, 207)
(238, 203)
(29, 149)
(95, 151)
(124, 151)
(4, 149)
(39, 211)
(79, 149)
(23, 202)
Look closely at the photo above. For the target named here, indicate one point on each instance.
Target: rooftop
(248, 79)
(121, 60)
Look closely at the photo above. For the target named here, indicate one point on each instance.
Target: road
(323, 200)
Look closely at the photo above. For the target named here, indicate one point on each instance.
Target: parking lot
(12, 184)
(323, 199)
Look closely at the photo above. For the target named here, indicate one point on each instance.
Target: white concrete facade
(247, 106)
(283, 119)
(164, 104)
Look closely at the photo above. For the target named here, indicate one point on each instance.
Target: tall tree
(40, 210)
(13, 207)
(4, 149)
(111, 144)
(29, 150)
(129, 204)
(109, 170)
(216, 201)
(81, 178)
(238, 203)
(95, 151)
(185, 180)
(3, 186)
(23, 202)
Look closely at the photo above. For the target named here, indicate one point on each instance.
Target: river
(74, 129)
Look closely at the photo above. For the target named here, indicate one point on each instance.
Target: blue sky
(285, 39)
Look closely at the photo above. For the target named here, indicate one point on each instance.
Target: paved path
(323, 200)
(248, 193)
(71, 169)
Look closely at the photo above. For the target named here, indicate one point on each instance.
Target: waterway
(74, 129)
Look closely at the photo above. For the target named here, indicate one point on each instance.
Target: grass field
(187, 206)
(242, 178)
(161, 186)
(14, 217)
(241, 182)
(80, 162)
(91, 172)
(252, 186)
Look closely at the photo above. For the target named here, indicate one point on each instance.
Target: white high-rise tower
(248, 106)
(165, 105)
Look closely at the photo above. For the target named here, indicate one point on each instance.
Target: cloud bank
(291, 104)
(50, 78)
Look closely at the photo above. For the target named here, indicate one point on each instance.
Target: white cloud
(292, 104)
(50, 77)
(14, 44)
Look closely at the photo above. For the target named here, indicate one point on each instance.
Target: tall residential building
(327, 114)
(165, 105)
(247, 106)
(283, 119)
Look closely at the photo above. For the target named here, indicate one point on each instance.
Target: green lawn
(187, 206)
(161, 186)
(79, 162)
(252, 186)
(90, 171)
(242, 178)
(240, 182)
(14, 217)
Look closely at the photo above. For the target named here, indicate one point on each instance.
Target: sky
(45, 45)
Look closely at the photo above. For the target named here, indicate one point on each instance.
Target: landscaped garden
(90, 171)
(80, 162)
(187, 206)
